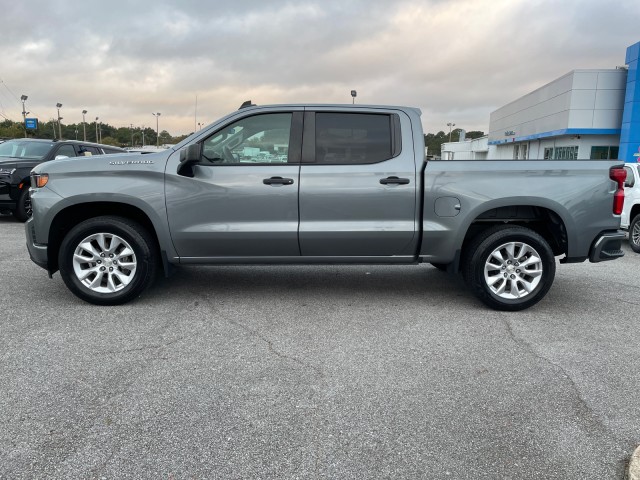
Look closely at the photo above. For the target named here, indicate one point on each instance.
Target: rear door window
(353, 138)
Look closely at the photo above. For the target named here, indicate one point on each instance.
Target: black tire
(23, 207)
(119, 231)
(510, 274)
(634, 234)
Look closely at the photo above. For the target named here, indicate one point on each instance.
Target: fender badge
(132, 162)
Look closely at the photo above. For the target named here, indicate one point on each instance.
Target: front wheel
(23, 207)
(634, 234)
(108, 260)
(509, 267)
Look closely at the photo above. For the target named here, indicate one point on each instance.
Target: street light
(131, 135)
(24, 114)
(59, 106)
(157, 115)
(97, 118)
(142, 136)
(84, 125)
(354, 94)
(450, 125)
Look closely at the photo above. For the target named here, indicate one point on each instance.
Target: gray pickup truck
(292, 184)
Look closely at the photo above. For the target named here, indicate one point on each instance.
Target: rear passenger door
(358, 192)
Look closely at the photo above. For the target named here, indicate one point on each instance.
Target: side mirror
(58, 157)
(189, 156)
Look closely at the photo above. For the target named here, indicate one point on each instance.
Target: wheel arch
(635, 210)
(547, 222)
(71, 215)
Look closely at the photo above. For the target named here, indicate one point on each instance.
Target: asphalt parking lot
(317, 372)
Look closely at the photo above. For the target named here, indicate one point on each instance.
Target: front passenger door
(242, 201)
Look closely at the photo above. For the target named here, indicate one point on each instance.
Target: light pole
(131, 124)
(97, 118)
(76, 133)
(24, 114)
(354, 94)
(59, 106)
(450, 125)
(142, 136)
(84, 125)
(157, 115)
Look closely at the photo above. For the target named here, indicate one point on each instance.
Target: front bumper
(37, 251)
(607, 246)
(7, 200)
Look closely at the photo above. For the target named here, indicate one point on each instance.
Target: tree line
(127, 137)
(434, 141)
(95, 132)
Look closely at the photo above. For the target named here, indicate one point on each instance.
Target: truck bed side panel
(579, 192)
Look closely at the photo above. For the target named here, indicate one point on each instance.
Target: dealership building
(585, 114)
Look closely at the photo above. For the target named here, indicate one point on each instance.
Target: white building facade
(580, 115)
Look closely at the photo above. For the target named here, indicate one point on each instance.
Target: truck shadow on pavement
(374, 283)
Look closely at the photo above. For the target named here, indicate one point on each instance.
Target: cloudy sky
(457, 60)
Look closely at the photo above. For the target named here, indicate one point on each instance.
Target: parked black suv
(19, 156)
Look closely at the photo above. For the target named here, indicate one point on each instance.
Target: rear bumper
(37, 252)
(607, 246)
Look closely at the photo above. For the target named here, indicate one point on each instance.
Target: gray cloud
(457, 60)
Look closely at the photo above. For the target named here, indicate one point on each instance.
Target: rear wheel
(108, 260)
(634, 234)
(23, 208)
(509, 267)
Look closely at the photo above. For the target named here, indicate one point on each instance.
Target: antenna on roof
(247, 104)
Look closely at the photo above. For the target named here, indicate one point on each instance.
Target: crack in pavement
(318, 373)
(584, 410)
(256, 334)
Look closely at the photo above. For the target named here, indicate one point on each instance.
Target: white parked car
(630, 218)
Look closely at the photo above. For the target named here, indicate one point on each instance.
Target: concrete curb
(634, 465)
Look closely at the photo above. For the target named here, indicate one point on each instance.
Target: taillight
(619, 175)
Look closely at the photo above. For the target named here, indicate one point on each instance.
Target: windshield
(27, 150)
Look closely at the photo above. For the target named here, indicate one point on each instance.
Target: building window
(548, 153)
(565, 153)
(524, 152)
(604, 153)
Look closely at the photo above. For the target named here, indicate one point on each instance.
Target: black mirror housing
(189, 156)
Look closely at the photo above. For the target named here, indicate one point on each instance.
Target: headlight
(39, 180)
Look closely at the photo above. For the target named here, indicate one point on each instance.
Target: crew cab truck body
(293, 184)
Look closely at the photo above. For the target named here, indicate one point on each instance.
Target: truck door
(358, 191)
(242, 200)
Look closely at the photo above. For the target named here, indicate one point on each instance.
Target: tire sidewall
(111, 226)
(21, 211)
(635, 247)
(485, 249)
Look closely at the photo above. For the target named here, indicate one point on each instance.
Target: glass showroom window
(604, 153)
(566, 153)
